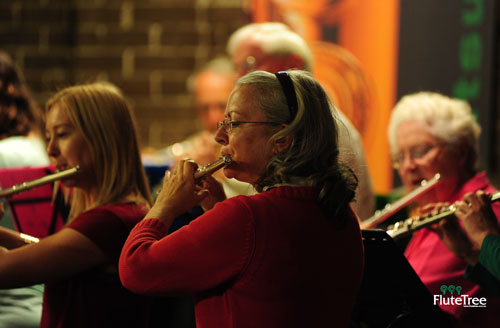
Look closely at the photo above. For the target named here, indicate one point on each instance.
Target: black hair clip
(289, 91)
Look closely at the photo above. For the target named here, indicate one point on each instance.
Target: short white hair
(274, 39)
(448, 119)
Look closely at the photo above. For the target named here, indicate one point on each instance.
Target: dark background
(452, 47)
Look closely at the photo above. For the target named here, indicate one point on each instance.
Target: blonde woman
(90, 126)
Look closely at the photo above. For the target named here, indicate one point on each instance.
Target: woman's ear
(282, 144)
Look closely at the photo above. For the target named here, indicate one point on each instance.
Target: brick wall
(146, 47)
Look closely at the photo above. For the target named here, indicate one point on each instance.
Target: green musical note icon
(451, 288)
(444, 288)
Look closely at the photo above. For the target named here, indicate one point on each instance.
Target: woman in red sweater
(90, 126)
(290, 256)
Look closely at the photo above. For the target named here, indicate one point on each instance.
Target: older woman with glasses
(430, 133)
(289, 256)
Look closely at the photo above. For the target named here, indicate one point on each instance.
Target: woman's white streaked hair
(312, 157)
(448, 119)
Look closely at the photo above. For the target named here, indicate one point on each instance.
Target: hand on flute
(452, 235)
(215, 192)
(478, 218)
(178, 194)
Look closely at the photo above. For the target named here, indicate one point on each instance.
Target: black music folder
(392, 295)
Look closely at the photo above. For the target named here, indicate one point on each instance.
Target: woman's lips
(413, 183)
(61, 167)
(416, 182)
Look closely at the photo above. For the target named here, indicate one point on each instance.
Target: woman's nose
(408, 162)
(52, 149)
(221, 136)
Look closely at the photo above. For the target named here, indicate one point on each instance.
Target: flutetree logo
(458, 299)
(451, 289)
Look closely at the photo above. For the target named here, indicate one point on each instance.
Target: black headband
(289, 91)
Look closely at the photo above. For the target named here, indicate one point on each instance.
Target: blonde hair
(101, 113)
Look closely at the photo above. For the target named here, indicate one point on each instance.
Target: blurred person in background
(431, 133)
(210, 87)
(21, 121)
(21, 145)
(275, 47)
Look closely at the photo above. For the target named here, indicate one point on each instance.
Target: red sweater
(95, 298)
(268, 260)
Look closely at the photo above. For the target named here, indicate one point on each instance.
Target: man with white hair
(275, 47)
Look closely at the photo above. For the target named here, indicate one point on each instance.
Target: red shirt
(436, 265)
(268, 260)
(96, 298)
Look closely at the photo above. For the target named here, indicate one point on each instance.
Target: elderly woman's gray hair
(312, 157)
(448, 119)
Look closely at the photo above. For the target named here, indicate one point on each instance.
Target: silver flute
(391, 209)
(212, 167)
(406, 227)
(27, 185)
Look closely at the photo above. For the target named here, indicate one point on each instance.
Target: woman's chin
(232, 174)
(228, 173)
(68, 183)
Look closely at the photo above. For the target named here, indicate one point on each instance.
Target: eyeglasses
(229, 125)
(416, 153)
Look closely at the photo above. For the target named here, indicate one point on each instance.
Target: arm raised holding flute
(473, 234)
(252, 261)
(90, 126)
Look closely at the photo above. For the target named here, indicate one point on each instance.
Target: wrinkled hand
(178, 194)
(452, 235)
(478, 218)
(215, 193)
(455, 238)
